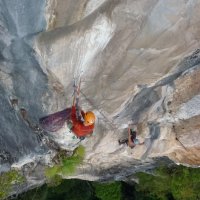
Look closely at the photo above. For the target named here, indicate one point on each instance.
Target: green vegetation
(108, 191)
(67, 166)
(7, 180)
(176, 183)
(180, 183)
(76, 190)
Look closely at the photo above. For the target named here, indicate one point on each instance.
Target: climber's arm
(73, 115)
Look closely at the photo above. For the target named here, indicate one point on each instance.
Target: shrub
(52, 171)
(55, 181)
(180, 182)
(108, 191)
(7, 180)
(70, 164)
(71, 189)
(67, 165)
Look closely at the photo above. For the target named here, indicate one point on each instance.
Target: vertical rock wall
(138, 62)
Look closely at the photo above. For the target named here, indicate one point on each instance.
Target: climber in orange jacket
(82, 123)
(84, 127)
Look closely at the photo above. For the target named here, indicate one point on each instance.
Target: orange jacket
(78, 127)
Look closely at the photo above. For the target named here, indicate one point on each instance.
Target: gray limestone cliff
(139, 62)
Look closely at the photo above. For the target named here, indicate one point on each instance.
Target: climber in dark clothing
(131, 141)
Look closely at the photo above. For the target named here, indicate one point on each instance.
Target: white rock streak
(92, 5)
(190, 109)
(93, 41)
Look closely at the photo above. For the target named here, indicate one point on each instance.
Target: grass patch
(7, 180)
(67, 166)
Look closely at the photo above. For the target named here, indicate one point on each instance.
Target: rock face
(21, 78)
(139, 62)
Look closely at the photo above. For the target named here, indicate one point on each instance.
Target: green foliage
(52, 171)
(79, 151)
(108, 191)
(177, 183)
(67, 165)
(185, 183)
(180, 182)
(155, 186)
(54, 181)
(68, 190)
(7, 180)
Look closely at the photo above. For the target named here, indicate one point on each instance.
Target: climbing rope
(77, 81)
